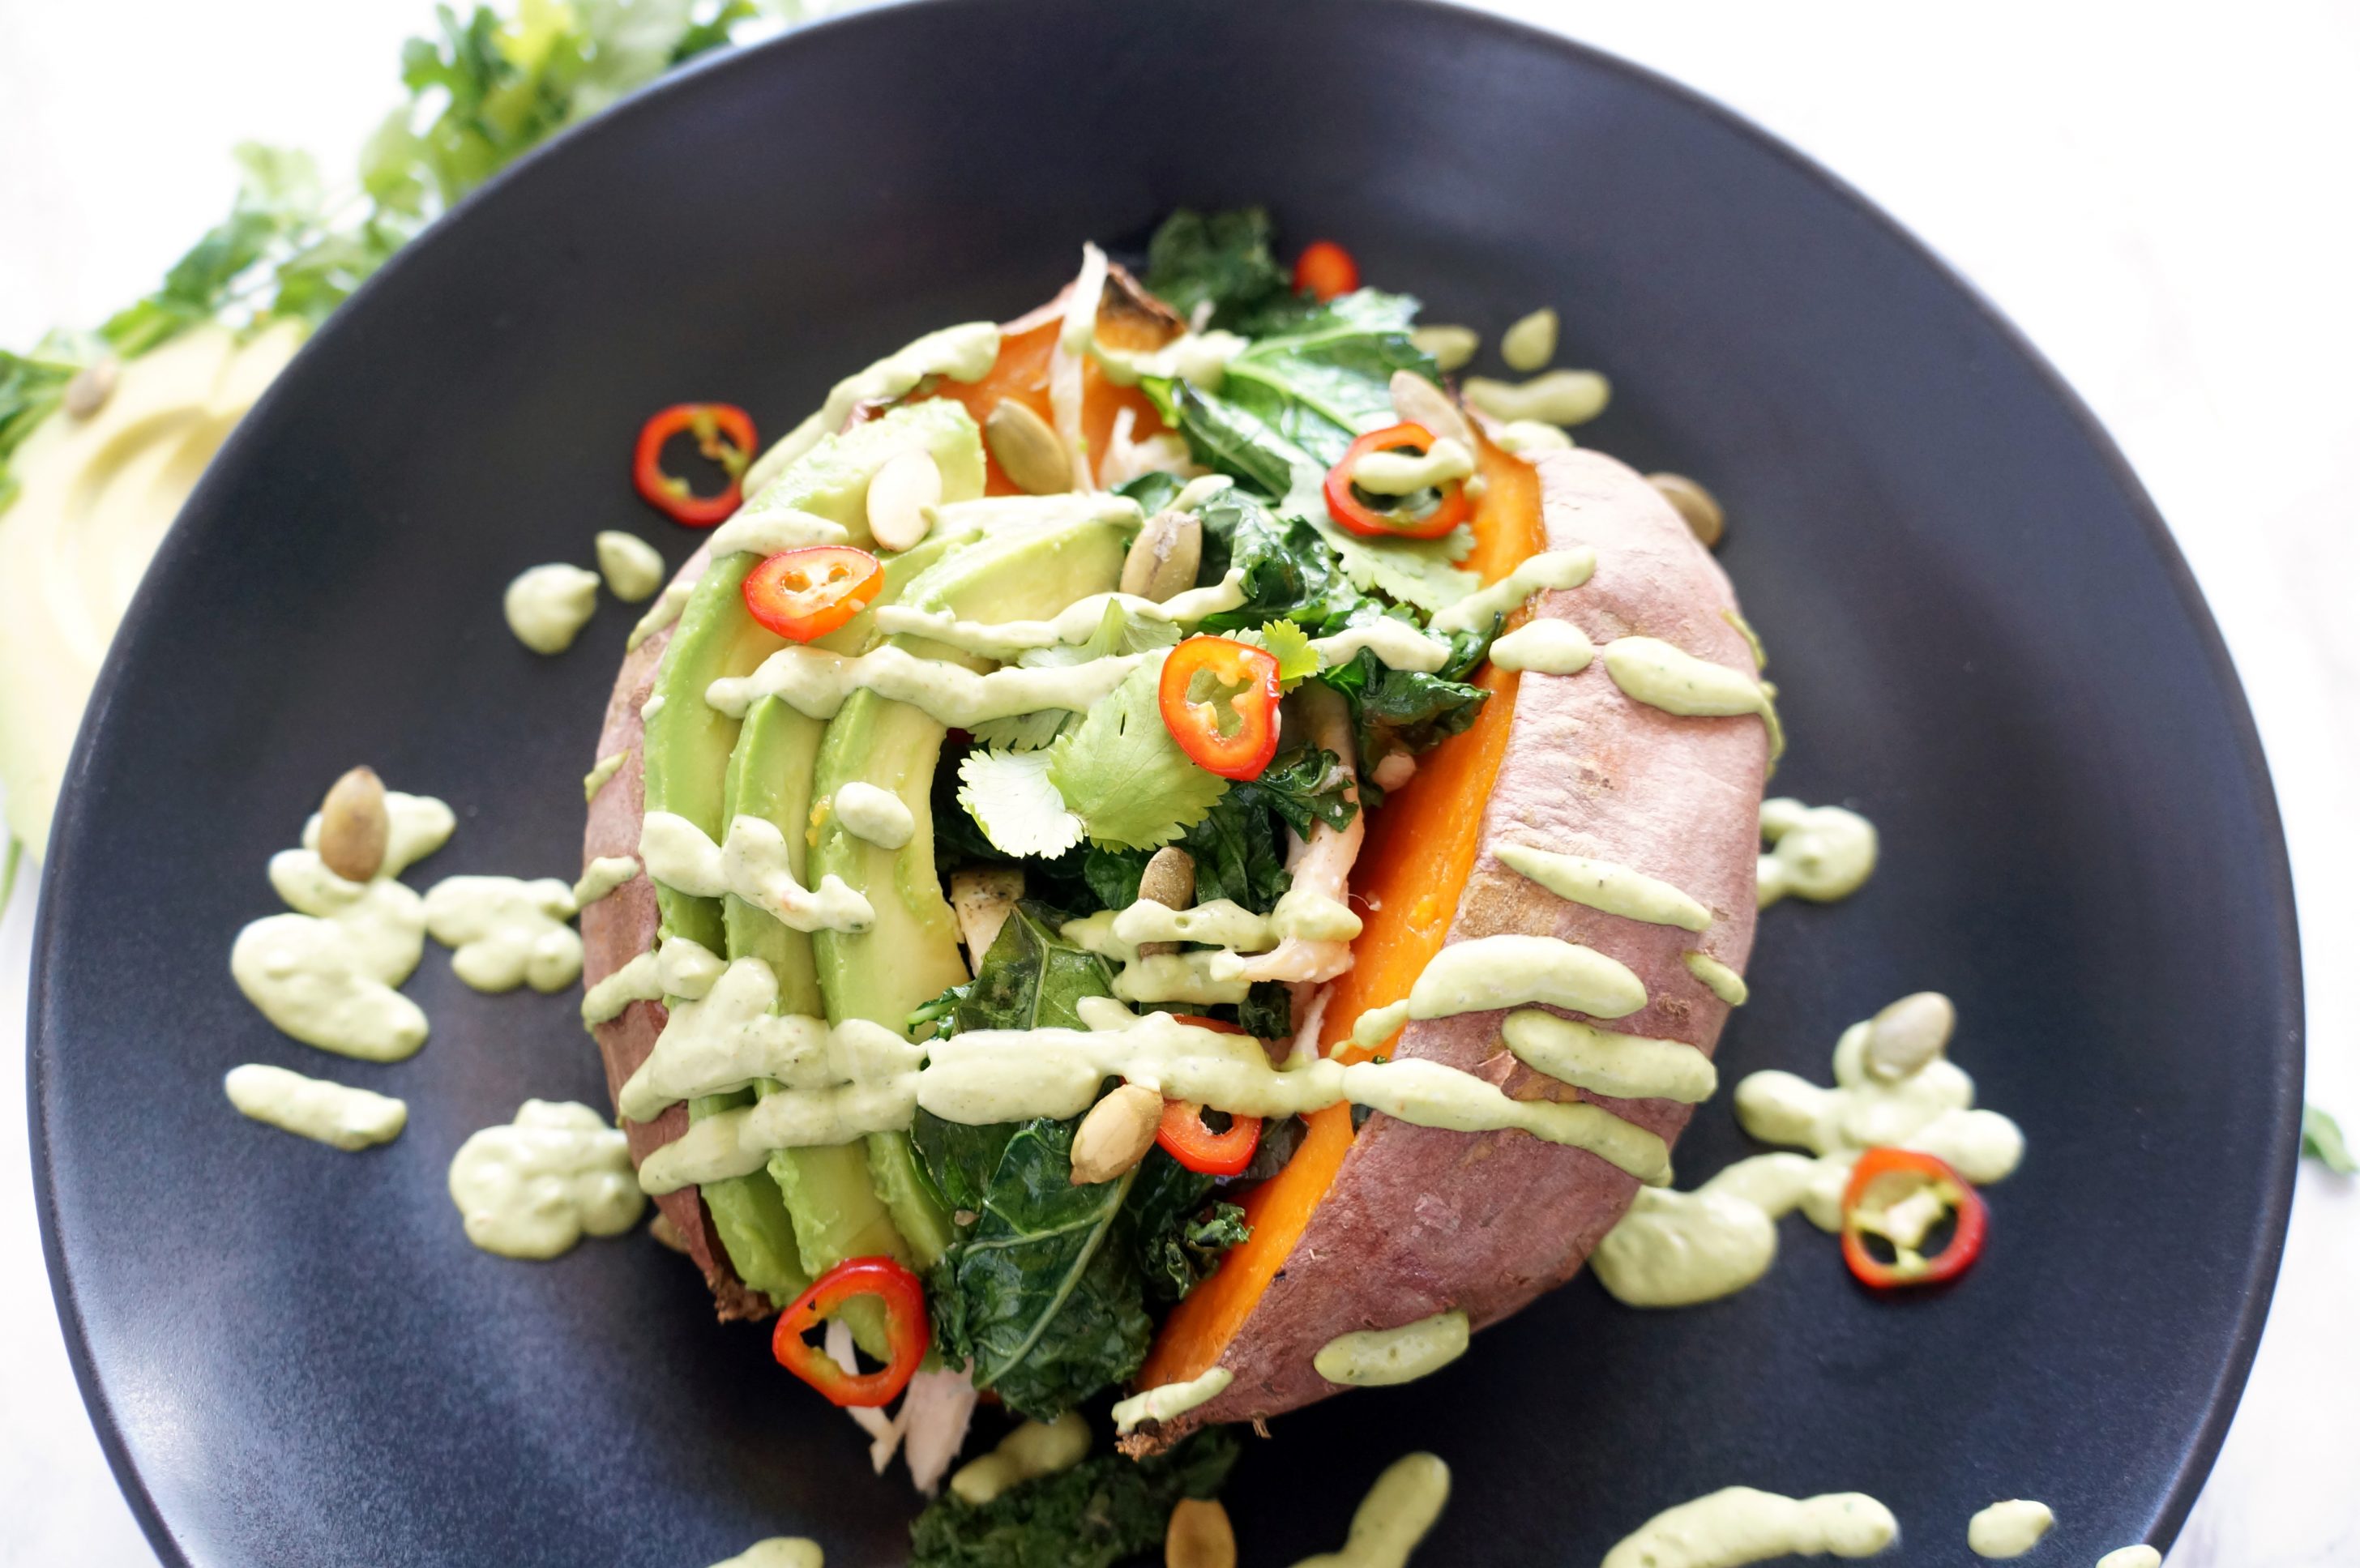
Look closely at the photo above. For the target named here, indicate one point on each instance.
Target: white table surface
(2162, 197)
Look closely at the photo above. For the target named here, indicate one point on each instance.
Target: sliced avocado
(692, 757)
(912, 954)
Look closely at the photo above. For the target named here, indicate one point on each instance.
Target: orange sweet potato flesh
(1405, 885)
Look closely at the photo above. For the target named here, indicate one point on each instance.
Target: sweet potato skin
(1421, 1221)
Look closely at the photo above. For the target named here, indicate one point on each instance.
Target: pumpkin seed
(982, 898)
(1199, 1536)
(1116, 1135)
(1695, 504)
(354, 826)
(87, 393)
(1907, 1034)
(1028, 449)
(1170, 880)
(898, 495)
(1164, 557)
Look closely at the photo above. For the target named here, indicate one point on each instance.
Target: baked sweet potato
(1404, 1222)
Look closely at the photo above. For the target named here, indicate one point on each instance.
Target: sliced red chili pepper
(1325, 269)
(1923, 1172)
(906, 1331)
(808, 593)
(1198, 671)
(723, 432)
(1184, 1136)
(1356, 515)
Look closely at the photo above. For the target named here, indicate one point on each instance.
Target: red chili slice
(1955, 1190)
(1356, 515)
(1200, 670)
(808, 593)
(723, 432)
(1184, 1136)
(906, 1330)
(1325, 269)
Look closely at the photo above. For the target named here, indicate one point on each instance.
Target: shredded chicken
(931, 1421)
(1066, 360)
(1323, 863)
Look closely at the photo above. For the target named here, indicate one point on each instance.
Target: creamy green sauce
(662, 613)
(1201, 979)
(767, 531)
(1304, 913)
(1819, 853)
(1397, 644)
(1034, 1450)
(1653, 672)
(1739, 1525)
(1752, 639)
(1558, 397)
(1558, 569)
(963, 353)
(1393, 1518)
(1626, 1066)
(2009, 1529)
(504, 932)
(547, 606)
(1451, 346)
(326, 1113)
(631, 566)
(1518, 436)
(1004, 640)
(532, 1188)
(602, 774)
(874, 816)
(1221, 923)
(753, 863)
(1166, 1400)
(1509, 971)
(602, 876)
(778, 1551)
(326, 974)
(1893, 1087)
(729, 1036)
(815, 682)
(1407, 472)
(1603, 885)
(1376, 1358)
(1717, 977)
(1201, 359)
(2140, 1556)
(678, 968)
(651, 708)
(1531, 343)
(1378, 1024)
(1546, 647)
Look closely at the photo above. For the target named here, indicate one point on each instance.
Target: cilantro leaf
(2322, 1140)
(1291, 646)
(1010, 795)
(1120, 771)
(1099, 1513)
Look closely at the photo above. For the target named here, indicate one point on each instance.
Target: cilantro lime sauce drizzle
(1716, 977)
(815, 683)
(1625, 1066)
(1406, 474)
(1034, 1450)
(327, 973)
(1397, 644)
(1376, 1358)
(659, 615)
(547, 606)
(602, 876)
(1003, 640)
(731, 1035)
(1546, 647)
(2138, 1556)
(1393, 1518)
(1653, 672)
(2009, 1529)
(767, 530)
(1893, 1087)
(334, 1114)
(1602, 885)
(778, 1551)
(680, 967)
(1165, 1400)
(631, 566)
(963, 353)
(504, 932)
(1738, 1525)
(602, 773)
(1559, 569)
(874, 816)
(1510, 971)
(535, 1186)
(753, 863)
(1819, 853)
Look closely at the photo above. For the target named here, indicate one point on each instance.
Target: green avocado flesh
(812, 1208)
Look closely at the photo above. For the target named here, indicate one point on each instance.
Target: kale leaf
(1030, 979)
(1406, 707)
(1180, 1236)
(1239, 853)
(1268, 1011)
(1304, 784)
(1224, 260)
(1096, 1514)
(1289, 572)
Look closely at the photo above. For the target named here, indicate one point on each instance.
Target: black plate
(1982, 633)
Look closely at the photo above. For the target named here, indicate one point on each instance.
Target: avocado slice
(912, 955)
(687, 748)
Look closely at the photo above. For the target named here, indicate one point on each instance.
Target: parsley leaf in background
(1103, 1510)
(2322, 1140)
